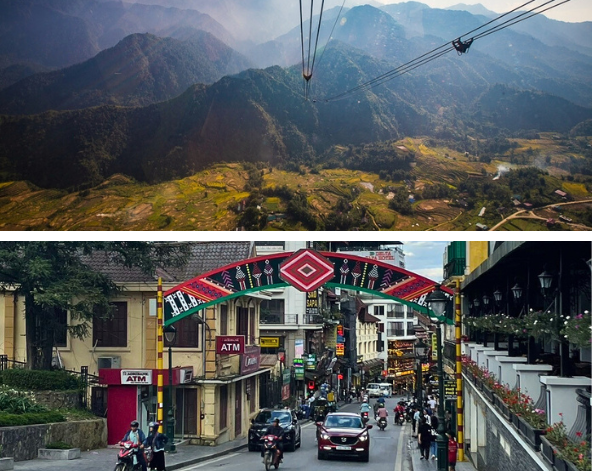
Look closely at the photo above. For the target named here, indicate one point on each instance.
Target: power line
(434, 54)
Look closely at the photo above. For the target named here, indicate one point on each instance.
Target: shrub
(40, 380)
(33, 418)
(17, 402)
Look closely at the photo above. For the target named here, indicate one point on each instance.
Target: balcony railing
(395, 333)
(290, 319)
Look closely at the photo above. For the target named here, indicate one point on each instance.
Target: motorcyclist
(400, 409)
(275, 429)
(365, 407)
(382, 413)
(136, 436)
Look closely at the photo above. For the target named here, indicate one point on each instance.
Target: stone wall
(503, 447)
(23, 442)
(57, 399)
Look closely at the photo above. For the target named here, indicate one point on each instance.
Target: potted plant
(568, 454)
(576, 329)
(530, 422)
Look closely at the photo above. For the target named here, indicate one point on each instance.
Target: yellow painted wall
(478, 252)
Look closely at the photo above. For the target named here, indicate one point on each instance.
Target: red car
(343, 434)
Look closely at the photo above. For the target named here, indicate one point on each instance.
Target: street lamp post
(420, 351)
(281, 355)
(437, 301)
(169, 334)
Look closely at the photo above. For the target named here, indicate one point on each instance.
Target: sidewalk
(105, 458)
(417, 464)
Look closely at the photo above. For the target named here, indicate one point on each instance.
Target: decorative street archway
(306, 270)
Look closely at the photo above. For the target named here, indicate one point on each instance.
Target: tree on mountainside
(55, 277)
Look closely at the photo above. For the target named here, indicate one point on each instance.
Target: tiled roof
(203, 257)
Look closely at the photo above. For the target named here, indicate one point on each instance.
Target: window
(379, 310)
(60, 333)
(242, 322)
(395, 329)
(251, 326)
(223, 407)
(223, 319)
(187, 333)
(111, 331)
(272, 311)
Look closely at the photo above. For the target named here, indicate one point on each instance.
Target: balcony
(290, 319)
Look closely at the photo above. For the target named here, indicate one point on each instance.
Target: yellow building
(214, 397)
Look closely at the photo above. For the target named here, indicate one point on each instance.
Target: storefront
(131, 395)
(401, 364)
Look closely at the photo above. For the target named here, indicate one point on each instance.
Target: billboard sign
(230, 344)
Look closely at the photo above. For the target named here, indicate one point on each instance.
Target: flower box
(548, 450)
(501, 406)
(564, 465)
(532, 435)
(488, 393)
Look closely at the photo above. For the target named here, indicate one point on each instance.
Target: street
(388, 450)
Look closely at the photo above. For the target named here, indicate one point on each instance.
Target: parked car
(373, 390)
(288, 420)
(343, 434)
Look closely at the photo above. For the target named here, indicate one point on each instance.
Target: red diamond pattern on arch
(307, 270)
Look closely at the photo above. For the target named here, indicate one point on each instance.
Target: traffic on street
(388, 450)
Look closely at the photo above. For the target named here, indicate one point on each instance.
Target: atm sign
(136, 377)
(230, 345)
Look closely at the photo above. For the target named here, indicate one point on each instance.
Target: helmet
(365, 401)
(135, 423)
(154, 425)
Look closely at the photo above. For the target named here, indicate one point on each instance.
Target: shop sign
(269, 342)
(312, 302)
(287, 375)
(450, 389)
(230, 344)
(298, 369)
(298, 348)
(285, 392)
(340, 345)
(434, 347)
(340, 349)
(136, 377)
(250, 360)
(330, 336)
(311, 361)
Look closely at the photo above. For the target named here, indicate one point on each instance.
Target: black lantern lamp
(170, 333)
(497, 296)
(485, 300)
(517, 292)
(476, 302)
(546, 280)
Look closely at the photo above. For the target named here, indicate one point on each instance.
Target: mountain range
(161, 107)
(141, 69)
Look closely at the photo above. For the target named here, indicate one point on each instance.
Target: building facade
(214, 396)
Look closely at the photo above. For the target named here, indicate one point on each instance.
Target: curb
(189, 462)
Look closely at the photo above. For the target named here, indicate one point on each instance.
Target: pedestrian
(425, 439)
(416, 420)
(432, 403)
(434, 424)
(452, 450)
(155, 442)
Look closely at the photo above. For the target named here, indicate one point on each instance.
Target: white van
(387, 389)
(373, 390)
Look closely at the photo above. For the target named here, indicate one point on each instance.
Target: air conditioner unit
(109, 362)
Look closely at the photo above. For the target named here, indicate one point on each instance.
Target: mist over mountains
(159, 89)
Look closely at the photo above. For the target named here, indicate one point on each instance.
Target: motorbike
(401, 419)
(127, 459)
(365, 417)
(382, 423)
(271, 452)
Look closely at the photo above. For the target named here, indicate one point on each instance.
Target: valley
(248, 196)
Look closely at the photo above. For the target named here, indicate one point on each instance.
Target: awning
(371, 364)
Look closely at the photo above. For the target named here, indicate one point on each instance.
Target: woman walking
(155, 442)
(425, 439)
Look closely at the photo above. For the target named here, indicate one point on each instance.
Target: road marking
(399, 458)
(208, 462)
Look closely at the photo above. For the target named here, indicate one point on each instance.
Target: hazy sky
(575, 10)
